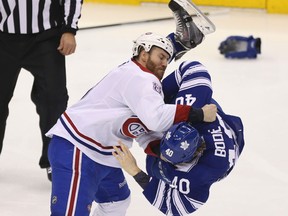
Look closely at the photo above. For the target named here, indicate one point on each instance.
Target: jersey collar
(142, 67)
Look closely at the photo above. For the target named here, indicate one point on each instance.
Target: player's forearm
(142, 179)
(132, 169)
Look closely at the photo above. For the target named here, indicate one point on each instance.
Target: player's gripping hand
(126, 159)
(206, 114)
(209, 111)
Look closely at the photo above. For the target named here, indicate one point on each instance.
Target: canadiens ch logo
(133, 127)
(157, 87)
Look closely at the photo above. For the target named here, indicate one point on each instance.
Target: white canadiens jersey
(124, 105)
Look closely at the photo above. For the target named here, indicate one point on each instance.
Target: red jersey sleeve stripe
(182, 113)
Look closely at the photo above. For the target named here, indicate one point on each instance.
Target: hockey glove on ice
(240, 47)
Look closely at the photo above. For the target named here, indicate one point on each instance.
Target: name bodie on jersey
(191, 182)
(125, 104)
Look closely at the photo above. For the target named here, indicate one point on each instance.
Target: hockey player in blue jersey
(192, 158)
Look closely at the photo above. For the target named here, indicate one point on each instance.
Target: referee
(36, 35)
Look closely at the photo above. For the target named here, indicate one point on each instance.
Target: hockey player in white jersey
(125, 104)
(192, 158)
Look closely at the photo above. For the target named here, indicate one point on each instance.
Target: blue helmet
(179, 143)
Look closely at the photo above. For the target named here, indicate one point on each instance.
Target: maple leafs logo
(184, 145)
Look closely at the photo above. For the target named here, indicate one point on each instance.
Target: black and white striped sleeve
(29, 17)
(72, 13)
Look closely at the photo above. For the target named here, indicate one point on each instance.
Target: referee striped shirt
(34, 16)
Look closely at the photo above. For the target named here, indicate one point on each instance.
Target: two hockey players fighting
(125, 105)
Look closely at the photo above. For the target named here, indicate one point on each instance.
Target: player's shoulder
(191, 65)
(194, 68)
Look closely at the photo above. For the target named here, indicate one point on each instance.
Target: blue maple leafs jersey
(191, 182)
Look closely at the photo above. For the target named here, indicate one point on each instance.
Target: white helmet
(150, 39)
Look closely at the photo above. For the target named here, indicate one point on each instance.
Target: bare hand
(67, 44)
(209, 111)
(126, 159)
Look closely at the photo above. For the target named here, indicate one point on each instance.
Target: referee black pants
(37, 54)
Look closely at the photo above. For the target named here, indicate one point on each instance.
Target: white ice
(256, 90)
